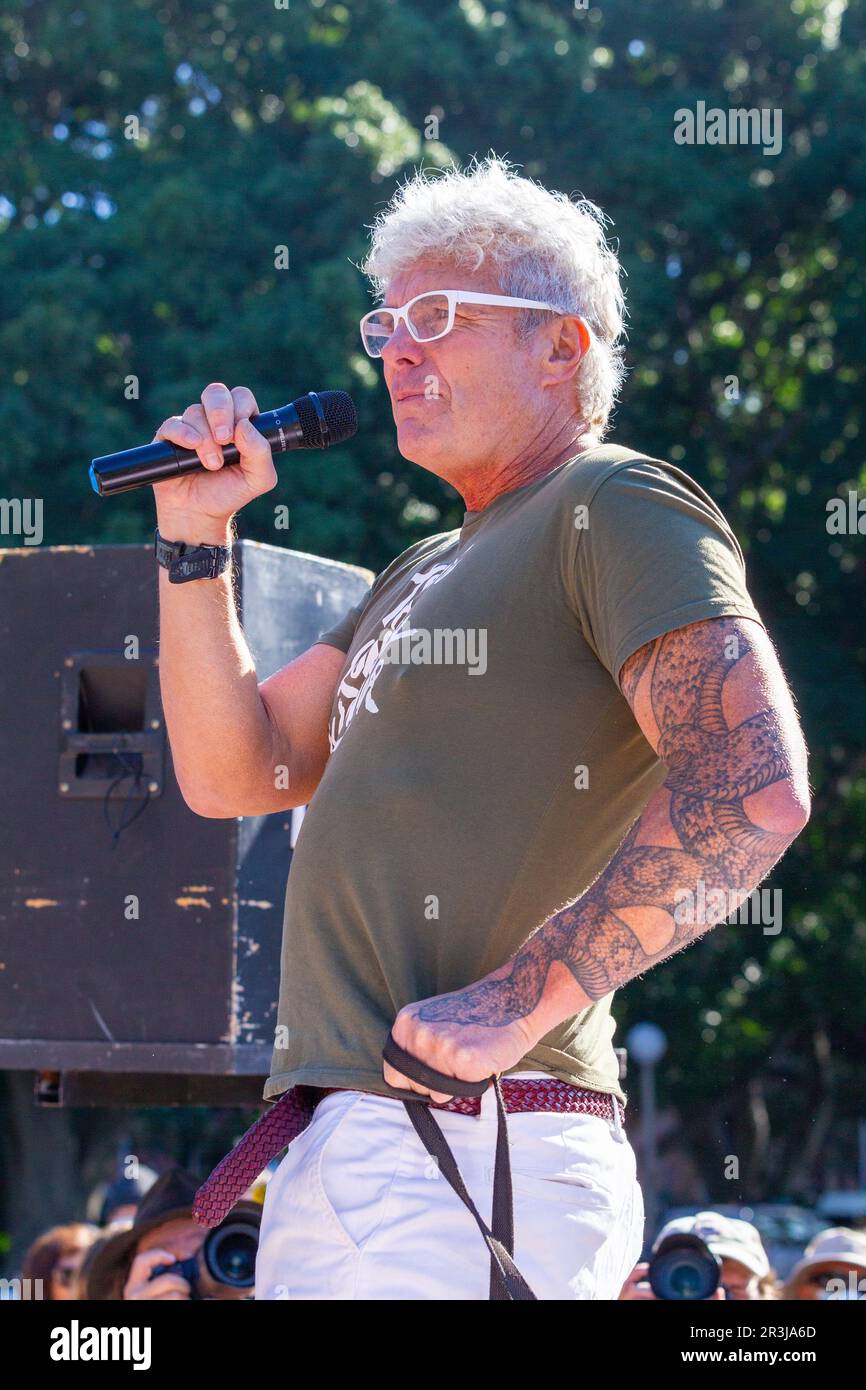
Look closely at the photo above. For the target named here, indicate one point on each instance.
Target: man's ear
(568, 342)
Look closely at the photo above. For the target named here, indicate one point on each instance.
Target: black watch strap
(185, 562)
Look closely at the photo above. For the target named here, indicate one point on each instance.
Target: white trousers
(358, 1209)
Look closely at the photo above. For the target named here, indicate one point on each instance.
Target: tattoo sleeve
(695, 853)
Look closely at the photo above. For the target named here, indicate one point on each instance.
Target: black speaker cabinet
(139, 942)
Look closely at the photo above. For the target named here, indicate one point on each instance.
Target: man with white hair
(491, 847)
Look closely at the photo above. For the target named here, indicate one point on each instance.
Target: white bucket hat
(838, 1245)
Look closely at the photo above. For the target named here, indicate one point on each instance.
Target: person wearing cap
(122, 1197)
(162, 1233)
(745, 1272)
(833, 1266)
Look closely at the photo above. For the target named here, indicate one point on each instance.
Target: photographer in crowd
(704, 1256)
(165, 1256)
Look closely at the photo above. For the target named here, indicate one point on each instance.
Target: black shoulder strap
(506, 1281)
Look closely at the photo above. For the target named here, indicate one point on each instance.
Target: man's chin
(421, 460)
(419, 444)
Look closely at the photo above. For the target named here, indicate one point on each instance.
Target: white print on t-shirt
(356, 688)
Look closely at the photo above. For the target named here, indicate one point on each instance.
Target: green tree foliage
(155, 156)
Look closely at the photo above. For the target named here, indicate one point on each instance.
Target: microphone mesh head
(340, 416)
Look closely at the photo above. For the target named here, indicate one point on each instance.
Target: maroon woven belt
(286, 1118)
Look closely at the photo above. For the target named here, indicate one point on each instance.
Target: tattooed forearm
(692, 856)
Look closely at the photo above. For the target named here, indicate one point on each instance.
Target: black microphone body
(314, 421)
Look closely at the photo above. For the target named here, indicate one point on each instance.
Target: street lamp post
(647, 1044)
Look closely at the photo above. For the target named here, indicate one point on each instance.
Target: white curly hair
(543, 245)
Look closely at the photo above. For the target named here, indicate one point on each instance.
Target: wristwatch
(185, 562)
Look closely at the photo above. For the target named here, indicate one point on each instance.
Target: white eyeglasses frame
(454, 298)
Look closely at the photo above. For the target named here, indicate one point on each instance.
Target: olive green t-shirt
(485, 765)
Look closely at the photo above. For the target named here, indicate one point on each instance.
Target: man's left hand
(470, 1051)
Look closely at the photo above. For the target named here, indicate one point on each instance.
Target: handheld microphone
(314, 421)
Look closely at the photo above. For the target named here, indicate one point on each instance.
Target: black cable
(129, 771)
(134, 771)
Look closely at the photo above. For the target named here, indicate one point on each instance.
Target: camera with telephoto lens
(684, 1267)
(224, 1266)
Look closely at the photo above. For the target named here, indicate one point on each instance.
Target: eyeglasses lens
(428, 319)
(377, 330)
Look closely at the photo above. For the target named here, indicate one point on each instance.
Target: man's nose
(402, 346)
